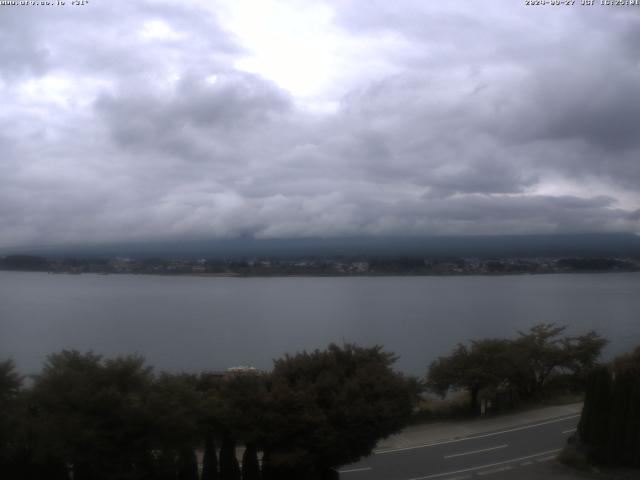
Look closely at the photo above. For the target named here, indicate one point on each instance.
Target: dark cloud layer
(135, 122)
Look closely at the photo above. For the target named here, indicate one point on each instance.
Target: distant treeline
(25, 263)
(322, 266)
(90, 418)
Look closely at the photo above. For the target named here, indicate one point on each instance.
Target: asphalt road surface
(493, 454)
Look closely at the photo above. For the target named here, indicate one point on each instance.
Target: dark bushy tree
(174, 404)
(10, 382)
(328, 408)
(92, 414)
(241, 405)
(241, 408)
(113, 419)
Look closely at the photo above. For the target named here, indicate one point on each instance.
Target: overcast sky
(127, 120)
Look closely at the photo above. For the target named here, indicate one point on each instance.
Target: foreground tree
(482, 368)
(609, 428)
(187, 465)
(10, 384)
(505, 370)
(328, 408)
(229, 467)
(594, 425)
(209, 458)
(91, 414)
(113, 419)
(241, 408)
(542, 353)
(250, 464)
(210, 421)
(174, 406)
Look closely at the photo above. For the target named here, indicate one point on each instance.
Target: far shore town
(356, 266)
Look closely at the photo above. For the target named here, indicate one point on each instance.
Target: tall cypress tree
(166, 465)
(627, 379)
(210, 458)
(594, 424)
(634, 427)
(586, 417)
(229, 468)
(250, 464)
(187, 465)
(618, 415)
(630, 433)
(267, 471)
(610, 425)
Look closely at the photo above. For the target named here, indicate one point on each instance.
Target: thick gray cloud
(135, 121)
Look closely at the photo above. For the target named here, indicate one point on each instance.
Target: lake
(185, 323)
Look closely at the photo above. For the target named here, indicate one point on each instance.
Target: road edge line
(471, 469)
(484, 435)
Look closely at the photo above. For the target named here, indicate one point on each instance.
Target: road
(477, 456)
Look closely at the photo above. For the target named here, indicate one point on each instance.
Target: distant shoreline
(341, 266)
(326, 275)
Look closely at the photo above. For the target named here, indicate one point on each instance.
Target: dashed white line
(485, 435)
(496, 470)
(353, 470)
(476, 451)
(546, 459)
(513, 460)
(571, 430)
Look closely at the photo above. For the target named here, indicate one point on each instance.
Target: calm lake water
(196, 323)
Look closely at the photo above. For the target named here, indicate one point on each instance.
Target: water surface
(196, 323)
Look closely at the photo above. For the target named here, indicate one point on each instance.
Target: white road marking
(495, 470)
(571, 430)
(528, 462)
(513, 460)
(546, 459)
(352, 470)
(475, 451)
(485, 435)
